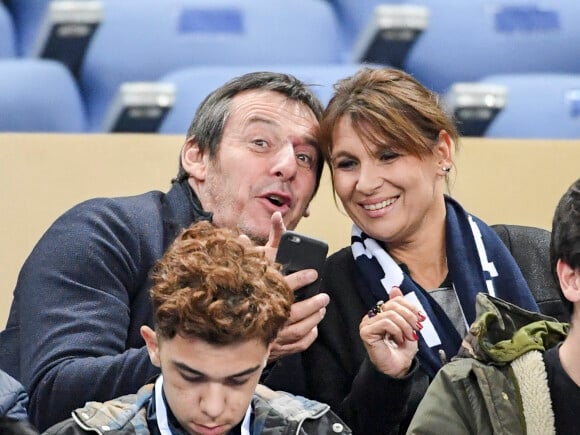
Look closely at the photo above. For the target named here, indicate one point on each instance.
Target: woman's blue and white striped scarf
(477, 261)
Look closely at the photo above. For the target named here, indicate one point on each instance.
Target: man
(218, 305)
(251, 162)
(520, 371)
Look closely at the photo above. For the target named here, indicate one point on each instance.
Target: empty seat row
(270, 24)
(42, 95)
(438, 41)
(481, 38)
(448, 41)
(525, 106)
(106, 43)
(174, 34)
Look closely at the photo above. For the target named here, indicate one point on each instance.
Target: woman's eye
(344, 164)
(260, 142)
(388, 155)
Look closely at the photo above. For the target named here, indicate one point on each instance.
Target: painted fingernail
(419, 326)
(415, 336)
(421, 316)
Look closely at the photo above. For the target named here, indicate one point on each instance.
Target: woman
(390, 149)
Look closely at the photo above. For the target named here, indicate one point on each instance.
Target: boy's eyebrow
(184, 367)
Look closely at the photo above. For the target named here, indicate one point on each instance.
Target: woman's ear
(193, 160)
(152, 343)
(443, 151)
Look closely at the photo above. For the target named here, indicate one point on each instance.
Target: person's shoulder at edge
(13, 398)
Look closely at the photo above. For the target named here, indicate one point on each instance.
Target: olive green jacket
(498, 383)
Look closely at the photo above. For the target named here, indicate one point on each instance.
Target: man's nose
(285, 164)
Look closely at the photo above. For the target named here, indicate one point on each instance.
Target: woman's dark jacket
(337, 369)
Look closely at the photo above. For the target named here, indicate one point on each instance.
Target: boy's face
(207, 387)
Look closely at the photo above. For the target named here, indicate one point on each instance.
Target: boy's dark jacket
(275, 413)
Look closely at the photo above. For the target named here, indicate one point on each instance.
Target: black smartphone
(297, 252)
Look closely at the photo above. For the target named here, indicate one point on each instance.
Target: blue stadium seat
(140, 40)
(39, 96)
(474, 105)
(353, 17)
(7, 33)
(57, 29)
(466, 40)
(193, 84)
(27, 18)
(545, 106)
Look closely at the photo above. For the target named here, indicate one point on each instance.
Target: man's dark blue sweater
(82, 296)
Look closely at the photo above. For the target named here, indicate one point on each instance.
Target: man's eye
(260, 142)
(305, 160)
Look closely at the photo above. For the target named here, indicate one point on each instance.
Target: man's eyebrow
(260, 119)
(308, 139)
(184, 367)
(312, 140)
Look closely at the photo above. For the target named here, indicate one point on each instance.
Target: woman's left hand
(389, 334)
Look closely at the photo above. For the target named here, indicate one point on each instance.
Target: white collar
(161, 412)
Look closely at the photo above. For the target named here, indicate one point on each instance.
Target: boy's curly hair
(212, 285)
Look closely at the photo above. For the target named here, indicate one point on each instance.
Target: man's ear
(193, 160)
(152, 343)
(569, 281)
